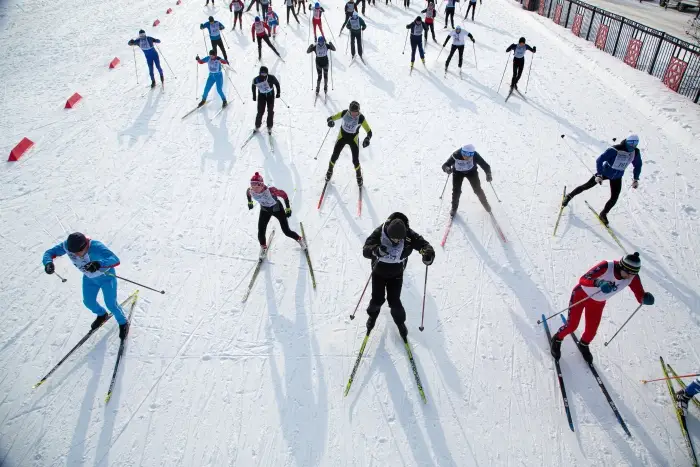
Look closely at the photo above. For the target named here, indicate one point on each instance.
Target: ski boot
(202, 102)
(123, 330)
(224, 104)
(555, 347)
(302, 243)
(269, 131)
(585, 351)
(98, 321)
(325, 89)
(153, 83)
(318, 88)
(371, 320)
(162, 79)
(604, 218)
(422, 60)
(358, 175)
(566, 200)
(682, 401)
(411, 65)
(329, 172)
(257, 129)
(453, 211)
(263, 251)
(403, 331)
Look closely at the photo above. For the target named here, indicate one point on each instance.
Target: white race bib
(393, 251)
(144, 44)
(350, 123)
(214, 66)
(464, 165)
(214, 28)
(622, 160)
(265, 198)
(263, 86)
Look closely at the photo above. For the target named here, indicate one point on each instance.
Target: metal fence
(670, 59)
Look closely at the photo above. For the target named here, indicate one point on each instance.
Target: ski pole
(425, 288)
(311, 62)
(504, 74)
(284, 102)
(405, 42)
(539, 321)
(204, 38)
(443, 188)
(494, 192)
(352, 316)
(196, 83)
(166, 62)
(135, 283)
(645, 381)
(222, 35)
(440, 53)
(136, 69)
(59, 276)
(347, 45)
(234, 87)
(476, 63)
(324, 140)
(529, 72)
(332, 85)
(329, 28)
(623, 325)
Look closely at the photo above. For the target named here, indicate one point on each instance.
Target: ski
(559, 375)
(520, 94)
(357, 364)
(218, 112)
(363, 60)
(271, 142)
(510, 93)
(359, 203)
(325, 97)
(561, 210)
(253, 133)
(415, 371)
(308, 258)
(602, 387)
(323, 193)
(315, 99)
(612, 234)
(77, 346)
(447, 232)
(411, 71)
(680, 381)
(445, 77)
(680, 415)
(193, 110)
(498, 228)
(257, 267)
(121, 348)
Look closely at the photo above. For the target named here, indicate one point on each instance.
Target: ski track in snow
(207, 380)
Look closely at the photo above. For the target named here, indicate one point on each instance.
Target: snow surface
(210, 381)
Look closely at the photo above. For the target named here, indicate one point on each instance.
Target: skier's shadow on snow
(140, 125)
(456, 100)
(380, 26)
(342, 205)
(295, 397)
(379, 80)
(222, 151)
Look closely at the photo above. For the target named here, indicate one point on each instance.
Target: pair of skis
(496, 226)
(131, 298)
(359, 198)
(510, 93)
(325, 98)
(269, 140)
(679, 412)
(410, 359)
(594, 372)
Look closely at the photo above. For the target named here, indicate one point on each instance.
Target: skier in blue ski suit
(147, 45)
(215, 28)
(684, 395)
(97, 263)
(216, 76)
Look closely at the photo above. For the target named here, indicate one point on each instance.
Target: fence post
(617, 39)
(590, 25)
(656, 54)
(568, 12)
(549, 11)
(697, 97)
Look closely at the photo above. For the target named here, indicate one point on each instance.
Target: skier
(258, 4)
(600, 283)
(302, 4)
(356, 25)
(214, 35)
(472, 7)
(97, 264)
(265, 84)
(389, 247)
(450, 13)
(258, 30)
(270, 206)
(417, 28)
(430, 14)
(357, 2)
(349, 134)
(519, 60)
(146, 44)
(350, 8)
(457, 44)
(406, 3)
(272, 20)
(321, 48)
(684, 395)
(463, 163)
(216, 76)
(316, 18)
(290, 6)
(611, 166)
(236, 7)
(212, 3)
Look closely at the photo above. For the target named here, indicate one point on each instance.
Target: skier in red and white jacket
(604, 280)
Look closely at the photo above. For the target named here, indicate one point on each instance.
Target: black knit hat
(631, 263)
(396, 229)
(76, 242)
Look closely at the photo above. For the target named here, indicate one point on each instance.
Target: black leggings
(322, 69)
(264, 219)
(238, 16)
(518, 65)
(391, 289)
(615, 187)
(473, 177)
(218, 43)
(265, 38)
(471, 6)
(450, 13)
(348, 139)
(293, 12)
(266, 100)
(430, 26)
(460, 48)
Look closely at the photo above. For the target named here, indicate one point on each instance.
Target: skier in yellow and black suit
(349, 134)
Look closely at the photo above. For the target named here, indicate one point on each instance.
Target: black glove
(288, 212)
(447, 169)
(534, 50)
(197, 58)
(49, 268)
(92, 266)
(428, 257)
(331, 123)
(365, 142)
(254, 98)
(472, 39)
(489, 178)
(250, 205)
(648, 298)
(380, 251)
(278, 95)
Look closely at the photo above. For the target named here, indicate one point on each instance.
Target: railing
(674, 61)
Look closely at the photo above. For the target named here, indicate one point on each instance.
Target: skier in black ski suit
(321, 48)
(463, 164)
(265, 85)
(519, 60)
(389, 247)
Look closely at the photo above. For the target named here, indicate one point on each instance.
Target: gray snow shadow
(342, 205)
(582, 137)
(222, 152)
(496, 30)
(275, 169)
(378, 79)
(140, 125)
(241, 38)
(304, 416)
(456, 100)
(380, 26)
(104, 443)
(368, 206)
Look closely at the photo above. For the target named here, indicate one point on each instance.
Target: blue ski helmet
(257, 19)
(458, 29)
(321, 40)
(468, 150)
(317, 5)
(354, 14)
(631, 142)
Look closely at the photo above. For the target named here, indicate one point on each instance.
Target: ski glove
(489, 178)
(278, 95)
(534, 50)
(92, 266)
(250, 205)
(288, 212)
(648, 298)
(447, 169)
(428, 257)
(635, 183)
(49, 268)
(331, 123)
(197, 58)
(599, 179)
(380, 251)
(365, 142)
(605, 286)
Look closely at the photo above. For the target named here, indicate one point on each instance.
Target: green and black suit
(349, 134)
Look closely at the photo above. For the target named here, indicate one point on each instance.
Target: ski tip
(38, 384)
(109, 396)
